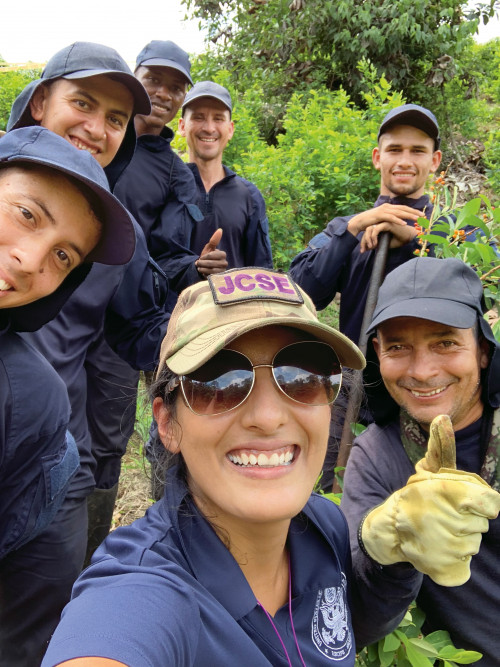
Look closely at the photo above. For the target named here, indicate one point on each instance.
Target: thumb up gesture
(211, 259)
(436, 521)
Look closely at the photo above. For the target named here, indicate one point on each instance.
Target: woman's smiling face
(287, 439)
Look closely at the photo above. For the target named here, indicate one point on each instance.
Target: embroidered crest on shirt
(330, 625)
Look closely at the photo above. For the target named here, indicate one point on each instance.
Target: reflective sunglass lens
(308, 372)
(219, 385)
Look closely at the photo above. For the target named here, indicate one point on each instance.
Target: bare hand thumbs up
(213, 243)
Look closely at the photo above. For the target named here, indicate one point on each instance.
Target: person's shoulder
(324, 512)
(26, 367)
(378, 433)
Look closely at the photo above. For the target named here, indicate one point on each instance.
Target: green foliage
(143, 415)
(284, 47)
(12, 83)
(321, 164)
(407, 647)
(492, 160)
(478, 248)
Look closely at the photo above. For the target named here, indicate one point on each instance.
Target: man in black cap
(158, 189)
(234, 230)
(340, 258)
(57, 217)
(412, 537)
(88, 95)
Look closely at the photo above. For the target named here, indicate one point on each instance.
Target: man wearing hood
(159, 190)
(57, 216)
(418, 536)
(88, 95)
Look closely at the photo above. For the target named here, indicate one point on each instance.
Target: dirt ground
(133, 497)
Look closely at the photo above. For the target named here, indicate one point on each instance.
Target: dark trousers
(35, 585)
(111, 403)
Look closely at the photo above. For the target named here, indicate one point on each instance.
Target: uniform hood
(84, 60)
(33, 316)
(422, 288)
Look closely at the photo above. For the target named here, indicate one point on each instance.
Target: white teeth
(427, 393)
(83, 147)
(210, 141)
(262, 460)
(4, 286)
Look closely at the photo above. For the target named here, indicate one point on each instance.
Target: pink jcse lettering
(246, 283)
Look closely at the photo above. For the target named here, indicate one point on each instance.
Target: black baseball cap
(447, 291)
(208, 89)
(165, 54)
(414, 115)
(81, 60)
(37, 145)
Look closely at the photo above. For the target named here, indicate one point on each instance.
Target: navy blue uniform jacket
(37, 456)
(235, 205)
(128, 303)
(192, 605)
(332, 263)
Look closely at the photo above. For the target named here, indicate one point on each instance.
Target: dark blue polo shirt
(166, 591)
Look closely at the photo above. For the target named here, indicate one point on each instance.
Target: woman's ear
(166, 429)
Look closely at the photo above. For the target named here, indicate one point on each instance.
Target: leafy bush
(407, 647)
(321, 163)
(12, 83)
(478, 248)
(284, 47)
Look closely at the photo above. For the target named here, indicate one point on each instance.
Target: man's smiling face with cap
(91, 113)
(87, 95)
(164, 69)
(56, 211)
(407, 151)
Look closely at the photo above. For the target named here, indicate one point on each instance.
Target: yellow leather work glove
(436, 521)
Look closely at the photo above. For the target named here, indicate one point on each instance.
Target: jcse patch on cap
(237, 285)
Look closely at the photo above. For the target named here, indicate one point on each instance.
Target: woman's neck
(261, 552)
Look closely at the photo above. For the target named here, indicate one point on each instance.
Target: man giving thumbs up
(421, 527)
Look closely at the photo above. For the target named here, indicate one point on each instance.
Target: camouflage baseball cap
(210, 314)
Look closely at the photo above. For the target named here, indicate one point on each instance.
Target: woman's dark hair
(165, 386)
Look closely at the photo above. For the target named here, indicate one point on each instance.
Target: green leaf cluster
(406, 647)
(12, 83)
(285, 47)
(479, 248)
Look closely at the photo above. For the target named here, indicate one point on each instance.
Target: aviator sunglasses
(308, 372)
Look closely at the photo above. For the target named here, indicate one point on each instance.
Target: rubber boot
(100, 506)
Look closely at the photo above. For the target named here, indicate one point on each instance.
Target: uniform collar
(217, 571)
(422, 203)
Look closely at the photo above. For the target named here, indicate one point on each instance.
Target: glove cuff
(360, 537)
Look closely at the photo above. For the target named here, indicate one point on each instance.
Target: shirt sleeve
(319, 268)
(377, 467)
(125, 614)
(136, 317)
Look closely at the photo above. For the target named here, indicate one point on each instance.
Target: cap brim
(142, 103)
(195, 353)
(117, 243)
(213, 97)
(163, 62)
(415, 119)
(443, 311)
